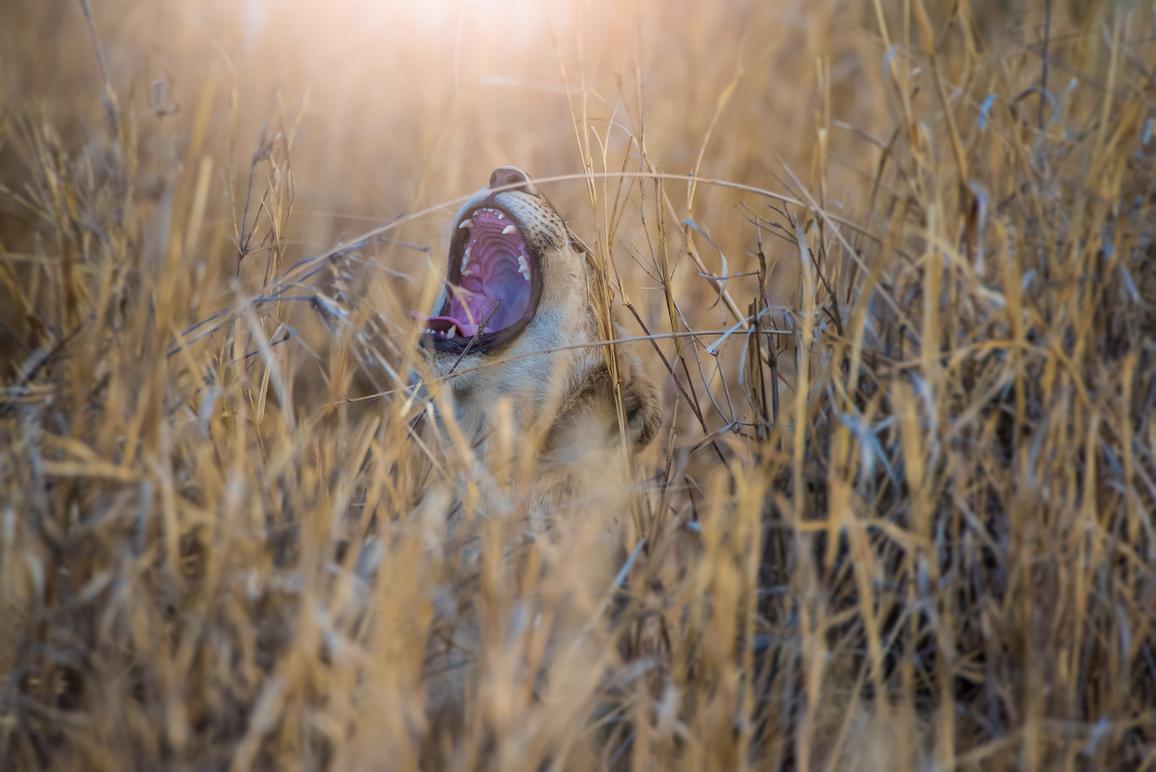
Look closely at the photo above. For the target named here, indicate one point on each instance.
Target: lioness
(515, 321)
(531, 397)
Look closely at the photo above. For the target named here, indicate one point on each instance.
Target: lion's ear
(639, 403)
(593, 269)
(584, 253)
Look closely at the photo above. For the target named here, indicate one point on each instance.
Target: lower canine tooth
(508, 230)
(523, 267)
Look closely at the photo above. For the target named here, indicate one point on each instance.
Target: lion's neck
(526, 398)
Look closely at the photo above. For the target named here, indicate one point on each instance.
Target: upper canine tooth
(466, 223)
(508, 230)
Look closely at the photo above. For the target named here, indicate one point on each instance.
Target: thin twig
(1044, 70)
(571, 347)
(108, 100)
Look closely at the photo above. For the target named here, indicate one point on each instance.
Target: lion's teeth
(508, 230)
(523, 267)
(465, 260)
(499, 214)
(466, 223)
(452, 332)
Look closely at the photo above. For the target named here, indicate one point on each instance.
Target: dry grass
(904, 519)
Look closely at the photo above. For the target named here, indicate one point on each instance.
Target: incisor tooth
(508, 230)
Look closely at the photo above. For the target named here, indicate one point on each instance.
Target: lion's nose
(512, 176)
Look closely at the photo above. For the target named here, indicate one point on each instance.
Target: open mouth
(492, 285)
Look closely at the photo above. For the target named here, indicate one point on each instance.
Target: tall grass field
(891, 265)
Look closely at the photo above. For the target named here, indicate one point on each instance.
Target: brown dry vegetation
(900, 516)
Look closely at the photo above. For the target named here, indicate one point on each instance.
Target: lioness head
(516, 289)
(513, 266)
